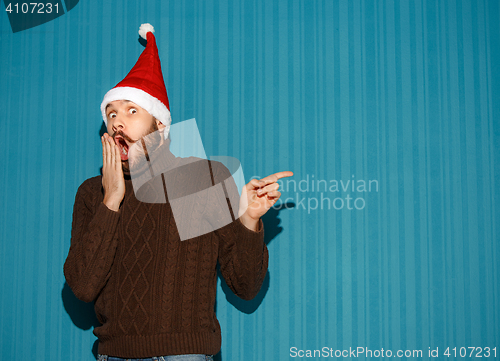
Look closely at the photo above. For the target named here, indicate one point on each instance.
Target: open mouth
(123, 147)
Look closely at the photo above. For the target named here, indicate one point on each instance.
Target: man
(154, 294)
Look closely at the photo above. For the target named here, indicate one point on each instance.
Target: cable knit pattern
(153, 293)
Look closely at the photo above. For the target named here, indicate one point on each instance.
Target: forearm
(244, 259)
(93, 246)
(112, 204)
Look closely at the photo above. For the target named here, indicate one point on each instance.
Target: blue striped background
(402, 92)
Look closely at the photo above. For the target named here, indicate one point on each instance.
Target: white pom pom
(144, 29)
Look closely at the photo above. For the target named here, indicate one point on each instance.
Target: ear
(160, 125)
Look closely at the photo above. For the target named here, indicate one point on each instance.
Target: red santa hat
(144, 84)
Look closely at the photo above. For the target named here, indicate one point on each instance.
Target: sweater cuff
(107, 217)
(260, 226)
(249, 234)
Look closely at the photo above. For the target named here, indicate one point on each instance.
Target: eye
(132, 111)
(111, 115)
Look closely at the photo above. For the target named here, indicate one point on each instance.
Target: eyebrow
(122, 101)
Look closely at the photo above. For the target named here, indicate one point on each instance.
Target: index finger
(274, 177)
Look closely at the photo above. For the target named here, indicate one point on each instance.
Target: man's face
(128, 123)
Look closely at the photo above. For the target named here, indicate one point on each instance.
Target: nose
(118, 123)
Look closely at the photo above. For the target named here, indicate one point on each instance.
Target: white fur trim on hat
(145, 29)
(149, 103)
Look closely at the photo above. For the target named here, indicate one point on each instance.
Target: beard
(147, 141)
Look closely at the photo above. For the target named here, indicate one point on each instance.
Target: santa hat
(144, 84)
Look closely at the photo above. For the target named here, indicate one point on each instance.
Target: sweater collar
(160, 160)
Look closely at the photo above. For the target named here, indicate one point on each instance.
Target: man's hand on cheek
(112, 173)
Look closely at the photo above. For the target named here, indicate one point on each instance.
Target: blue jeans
(160, 358)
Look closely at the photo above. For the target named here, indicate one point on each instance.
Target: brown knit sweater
(154, 294)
